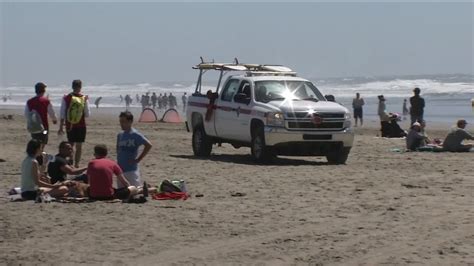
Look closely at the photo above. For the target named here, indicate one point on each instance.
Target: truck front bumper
(278, 135)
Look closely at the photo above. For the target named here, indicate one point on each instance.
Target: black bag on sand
(167, 186)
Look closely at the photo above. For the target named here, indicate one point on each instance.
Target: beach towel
(170, 196)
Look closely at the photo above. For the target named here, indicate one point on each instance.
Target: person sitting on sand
(415, 139)
(32, 178)
(62, 166)
(455, 137)
(100, 172)
(395, 131)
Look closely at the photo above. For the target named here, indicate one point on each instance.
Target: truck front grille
(311, 125)
(303, 121)
(298, 115)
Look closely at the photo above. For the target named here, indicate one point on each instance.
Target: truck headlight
(275, 119)
(347, 120)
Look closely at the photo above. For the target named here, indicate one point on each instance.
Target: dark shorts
(29, 195)
(76, 135)
(357, 112)
(41, 137)
(120, 193)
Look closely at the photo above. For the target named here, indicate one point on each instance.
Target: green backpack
(76, 109)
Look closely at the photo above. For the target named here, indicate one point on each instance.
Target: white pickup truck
(270, 110)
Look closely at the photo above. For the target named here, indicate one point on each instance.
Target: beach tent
(148, 116)
(171, 116)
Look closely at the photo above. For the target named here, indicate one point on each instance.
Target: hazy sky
(147, 42)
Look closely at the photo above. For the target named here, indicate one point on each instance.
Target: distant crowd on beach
(416, 137)
(161, 101)
(44, 174)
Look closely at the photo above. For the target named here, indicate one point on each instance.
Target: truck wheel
(339, 156)
(260, 152)
(202, 144)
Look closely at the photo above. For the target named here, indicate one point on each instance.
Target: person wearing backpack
(74, 110)
(37, 110)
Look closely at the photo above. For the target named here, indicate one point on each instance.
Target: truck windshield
(279, 90)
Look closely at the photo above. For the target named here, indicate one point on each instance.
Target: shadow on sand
(247, 159)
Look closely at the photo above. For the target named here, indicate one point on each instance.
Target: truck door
(242, 111)
(223, 113)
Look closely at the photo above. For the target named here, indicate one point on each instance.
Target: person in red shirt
(74, 110)
(43, 107)
(100, 172)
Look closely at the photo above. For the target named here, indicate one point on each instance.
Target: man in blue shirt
(128, 143)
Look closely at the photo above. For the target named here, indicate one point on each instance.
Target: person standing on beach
(128, 101)
(128, 143)
(165, 101)
(160, 101)
(172, 100)
(384, 117)
(154, 98)
(184, 99)
(43, 107)
(417, 106)
(357, 104)
(405, 109)
(74, 110)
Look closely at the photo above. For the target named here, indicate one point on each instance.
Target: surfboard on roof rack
(251, 69)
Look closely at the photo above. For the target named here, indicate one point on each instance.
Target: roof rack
(270, 73)
(251, 69)
(236, 66)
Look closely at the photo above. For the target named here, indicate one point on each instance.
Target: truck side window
(245, 89)
(230, 90)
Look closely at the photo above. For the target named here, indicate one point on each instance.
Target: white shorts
(133, 177)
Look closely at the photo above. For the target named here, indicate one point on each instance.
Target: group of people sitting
(42, 173)
(418, 140)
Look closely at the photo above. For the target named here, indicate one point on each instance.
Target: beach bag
(34, 124)
(168, 186)
(76, 109)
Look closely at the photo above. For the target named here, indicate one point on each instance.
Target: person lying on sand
(32, 178)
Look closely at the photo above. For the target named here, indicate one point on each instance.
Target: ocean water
(447, 97)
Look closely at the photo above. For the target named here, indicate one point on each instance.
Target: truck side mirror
(241, 98)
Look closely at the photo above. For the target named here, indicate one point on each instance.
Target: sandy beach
(382, 207)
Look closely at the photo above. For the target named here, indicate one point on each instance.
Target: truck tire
(339, 156)
(202, 144)
(260, 152)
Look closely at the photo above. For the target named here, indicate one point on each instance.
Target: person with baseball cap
(455, 137)
(415, 138)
